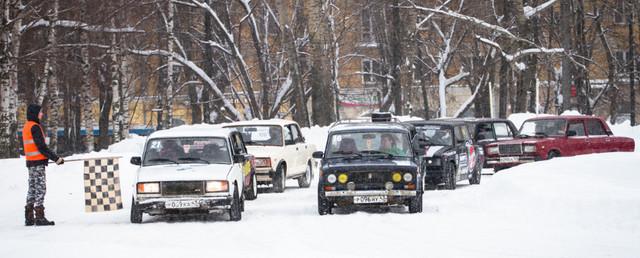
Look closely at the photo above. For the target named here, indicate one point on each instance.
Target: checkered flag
(102, 185)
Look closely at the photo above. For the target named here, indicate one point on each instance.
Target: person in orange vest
(37, 155)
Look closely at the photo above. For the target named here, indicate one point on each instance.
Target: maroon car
(554, 136)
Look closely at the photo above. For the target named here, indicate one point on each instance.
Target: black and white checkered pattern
(102, 185)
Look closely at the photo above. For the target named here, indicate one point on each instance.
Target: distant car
(447, 153)
(368, 164)
(193, 171)
(280, 149)
(485, 131)
(554, 136)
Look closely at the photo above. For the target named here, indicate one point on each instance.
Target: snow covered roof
(200, 130)
(280, 122)
(367, 126)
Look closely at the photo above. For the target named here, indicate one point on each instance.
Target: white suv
(193, 169)
(280, 151)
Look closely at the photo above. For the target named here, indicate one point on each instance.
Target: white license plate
(182, 204)
(509, 159)
(369, 199)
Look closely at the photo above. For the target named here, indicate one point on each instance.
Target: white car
(280, 151)
(193, 170)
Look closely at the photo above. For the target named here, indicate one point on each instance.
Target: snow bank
(133, 144)
(316, 135)
(519, 118)
(625, 129)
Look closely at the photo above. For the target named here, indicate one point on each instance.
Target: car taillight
(262, 162)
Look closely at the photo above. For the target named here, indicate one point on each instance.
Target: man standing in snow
(38, 155)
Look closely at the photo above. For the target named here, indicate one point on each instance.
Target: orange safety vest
(30, 149)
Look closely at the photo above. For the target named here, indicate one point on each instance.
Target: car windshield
(544, 127)
(260, 135)
(203, 150)
(385, 144)
(436, 135)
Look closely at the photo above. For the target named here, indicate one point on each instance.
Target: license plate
(369, 199)
(182, 204)
(509, 159)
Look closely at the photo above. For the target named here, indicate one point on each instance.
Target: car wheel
(252, 192)
(235, 212)
(305, 180)
(136, 213)
(323, 206)
(415, 205)
(475, 178)
(450, 177)
(280, 179)
(553, 154)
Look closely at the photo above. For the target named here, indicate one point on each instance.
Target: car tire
(280, 179)
(323, 206)
(450, 177)
(552, 155)
(235, 212)
(136, 213)
(415, 205)
(305, 180)
(476, 177)
(252, 192)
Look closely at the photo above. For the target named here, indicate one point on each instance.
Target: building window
(367, 26)
(370, 70)
(622, 58)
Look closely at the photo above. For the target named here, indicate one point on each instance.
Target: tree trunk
(169, 80)
(88, 118)
(397, 39)
(51, 80)
(631, 59)
(565, 38)
(320, 87)
(9, 50)
(504, 87)
(106, 100)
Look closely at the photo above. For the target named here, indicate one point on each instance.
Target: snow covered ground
(586, 206)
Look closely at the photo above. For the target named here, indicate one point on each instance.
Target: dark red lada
(554, 136)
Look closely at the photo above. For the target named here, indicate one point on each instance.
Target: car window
(461, 134)
(502, 131)
(260, 135)
(186, 150)
(577, 127)
(369, 143)
(300, 138)
(485, 132)
(294, 132)
(594, 127)
(238, 147)
(288, 136)
(436, 135)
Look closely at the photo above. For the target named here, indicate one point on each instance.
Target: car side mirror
(571, 133)
(318, 154)
(136, 161)
(239, 158)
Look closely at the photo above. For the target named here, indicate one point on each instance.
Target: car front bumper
(509, 161)
(157, 205)
(264, 175)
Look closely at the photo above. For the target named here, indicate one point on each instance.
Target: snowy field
(586, 206)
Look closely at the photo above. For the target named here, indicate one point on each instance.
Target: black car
(446, 153)
(489, 130)
(369, 164)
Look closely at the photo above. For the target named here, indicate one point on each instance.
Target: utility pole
(631, 63)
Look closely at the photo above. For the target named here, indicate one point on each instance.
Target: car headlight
(493, 150)
(342, 178)
(396, 177)
(529, 148)
(433, 162)
(263, 162)
(217, 186)
(407, 177)
(331, 178)
(146, 188)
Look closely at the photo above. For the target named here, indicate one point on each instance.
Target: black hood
(32, 113)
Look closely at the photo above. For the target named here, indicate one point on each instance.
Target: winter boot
(40, 219)
(28, 215)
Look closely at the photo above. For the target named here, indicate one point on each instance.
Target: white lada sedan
(281, 151)
(193, 170)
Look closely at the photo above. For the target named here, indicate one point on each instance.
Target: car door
(579, 143)
(290, 151)
(462, 150)
(304, 152)
(240, 170)
(598, 137)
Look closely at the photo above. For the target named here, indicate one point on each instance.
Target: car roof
(280, 122)
(476, 120)
(375, 126)
(200, 130)
(567, 117)
(436, 122)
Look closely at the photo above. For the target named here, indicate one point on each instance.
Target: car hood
(368, 164)
(184, 172)
(530, 140)
(264, 151)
